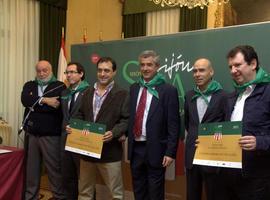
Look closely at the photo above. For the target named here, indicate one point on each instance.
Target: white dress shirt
(145, 115)
(237, 114)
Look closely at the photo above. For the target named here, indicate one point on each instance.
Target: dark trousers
(70, 171)
(199, 177)
(148, 181)
(46, 149)
(238, 187)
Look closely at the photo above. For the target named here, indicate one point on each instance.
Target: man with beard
(43, 130)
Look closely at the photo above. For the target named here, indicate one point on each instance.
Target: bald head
(202, 73)
(43, 70)
(203, 62)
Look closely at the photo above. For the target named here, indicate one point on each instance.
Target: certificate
(86, 138)
(219, 145)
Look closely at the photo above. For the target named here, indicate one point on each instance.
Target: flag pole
(84, 35)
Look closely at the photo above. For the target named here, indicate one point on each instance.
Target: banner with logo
(219, 145)
(177, 55)
(86, 138)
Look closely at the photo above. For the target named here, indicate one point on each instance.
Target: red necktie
(137, 129)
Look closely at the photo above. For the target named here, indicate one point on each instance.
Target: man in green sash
(154, 127)
(250, 103)
(206, 103)
(42, 124)
(71, 100)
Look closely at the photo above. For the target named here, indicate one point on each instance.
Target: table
(11, 173)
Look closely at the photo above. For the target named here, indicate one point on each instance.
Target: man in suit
(105, 103)
(43, 129)
(153, 129)
(204, 104)
(70, 101)
(250, 103)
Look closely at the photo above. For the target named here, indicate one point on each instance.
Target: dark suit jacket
(256, 122)
(45, 120)
(216, 112)
(65, 109)
(162, 126)
(114, 114)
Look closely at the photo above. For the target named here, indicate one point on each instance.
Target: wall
(101, 18)
(250, 11)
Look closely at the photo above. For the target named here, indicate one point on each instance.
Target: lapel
(231, 101)
(88, 106)
(209, 107)
(76, 105)
(259, 89)
(134, 98)
(194, 109)
(154, 103)
(65, 105)
(107, 101)
(49, 87)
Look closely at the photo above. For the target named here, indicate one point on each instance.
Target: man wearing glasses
(70, 101)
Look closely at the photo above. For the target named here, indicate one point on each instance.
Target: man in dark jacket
(105, 103)
(43, 128)
(204, 104)
(250, 103)
(154, 127)
(70, 102)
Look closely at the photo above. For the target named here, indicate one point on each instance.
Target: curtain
(162, 22)
(134, 25)
(19, 47)
(52, 19)
(193, 19)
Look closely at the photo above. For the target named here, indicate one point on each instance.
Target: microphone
(31, 108)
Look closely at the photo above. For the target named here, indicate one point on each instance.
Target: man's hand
(68, 129)
(51, 101)
(197, 142)
(248, 142)
(108, 136)
(167, 161)
(122, 138)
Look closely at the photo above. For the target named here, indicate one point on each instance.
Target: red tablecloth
(11, 174)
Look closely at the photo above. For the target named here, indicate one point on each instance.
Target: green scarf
(43, 83)
(81, 87)
(157, 80)
(261, 77)
(212, 87)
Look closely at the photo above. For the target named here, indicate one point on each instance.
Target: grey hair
(150, 53)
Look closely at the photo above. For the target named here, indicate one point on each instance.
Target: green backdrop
(177, 53)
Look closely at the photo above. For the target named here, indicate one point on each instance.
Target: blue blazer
(256, 121)
(162, 125)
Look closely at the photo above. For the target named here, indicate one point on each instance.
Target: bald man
(204, 104)
(43, 129)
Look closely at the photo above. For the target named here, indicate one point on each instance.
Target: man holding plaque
(153, 129)
(70, 101)
(105, 103)
(250, 103)
(206, 103)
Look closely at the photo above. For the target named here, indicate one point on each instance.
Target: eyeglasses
(70, 72)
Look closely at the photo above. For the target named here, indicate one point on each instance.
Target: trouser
(110, 172)
(148, 181)
(46, 149)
